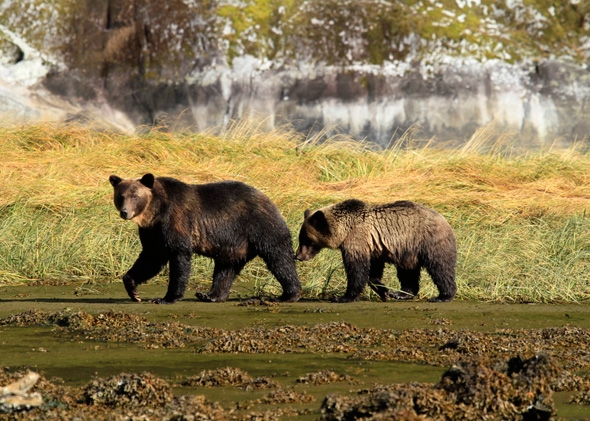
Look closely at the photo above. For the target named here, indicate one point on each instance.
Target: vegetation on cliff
(170, 39)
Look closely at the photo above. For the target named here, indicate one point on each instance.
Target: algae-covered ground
(513, 345)
(103, 356)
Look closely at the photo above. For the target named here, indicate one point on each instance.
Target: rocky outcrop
(368, 71)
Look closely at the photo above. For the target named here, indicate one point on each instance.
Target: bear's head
(133, 196)
(314, 235)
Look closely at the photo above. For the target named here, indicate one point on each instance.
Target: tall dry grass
(519, 216)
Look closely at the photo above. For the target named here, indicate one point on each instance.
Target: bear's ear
(319, 222)
(148, 181)
(115, 180)
(306, 214)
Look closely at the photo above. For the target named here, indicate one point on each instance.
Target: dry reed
(519, 216)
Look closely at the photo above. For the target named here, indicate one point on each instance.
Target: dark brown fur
(228, 221)
(406, 234)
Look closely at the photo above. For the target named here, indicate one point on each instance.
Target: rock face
(198, 64)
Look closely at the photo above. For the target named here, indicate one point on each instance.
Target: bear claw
(130, 287)
(203, 296)
(288, 299)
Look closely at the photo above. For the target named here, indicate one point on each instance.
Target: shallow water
(58, 353)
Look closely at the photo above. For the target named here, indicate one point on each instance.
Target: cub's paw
(440, 299)
(163, 301)
(343, 299)
(401, 295)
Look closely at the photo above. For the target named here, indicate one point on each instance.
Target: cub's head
(132, 196)
(314, 235)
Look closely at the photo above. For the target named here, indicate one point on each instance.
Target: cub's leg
(441, 268)
(410, 284)
(357, 269)
(444, 279)
(375, 276)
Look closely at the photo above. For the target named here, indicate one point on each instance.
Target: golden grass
(508, 206)
(52, 165)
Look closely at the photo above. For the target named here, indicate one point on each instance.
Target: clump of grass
(519, 216)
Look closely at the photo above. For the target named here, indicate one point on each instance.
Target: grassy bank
(519, 217)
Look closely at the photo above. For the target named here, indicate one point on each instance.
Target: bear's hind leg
(282, 266)
(440, 265)
(409, 280)
(224, 274)
(375, 276)
(444, 279)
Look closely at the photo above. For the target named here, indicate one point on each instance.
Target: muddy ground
(104, 357)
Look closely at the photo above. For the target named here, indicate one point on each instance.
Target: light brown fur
(406, 234)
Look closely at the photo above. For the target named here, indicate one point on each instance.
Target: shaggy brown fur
(228, 221)
(406, 234)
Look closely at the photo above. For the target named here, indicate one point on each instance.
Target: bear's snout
(300, 257)
(305, 253)
(125, 215)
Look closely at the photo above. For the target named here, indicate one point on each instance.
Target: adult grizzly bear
(227, 221)
(407, 234)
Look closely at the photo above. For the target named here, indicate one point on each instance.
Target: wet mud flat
(103, 357)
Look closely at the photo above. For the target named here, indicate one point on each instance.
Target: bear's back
(224, 194)
(407, 225)
(243, 207)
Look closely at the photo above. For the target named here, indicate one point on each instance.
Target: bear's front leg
(375, 279)
(146, 266)
(357, 274)
(131, 288)
(180, 271)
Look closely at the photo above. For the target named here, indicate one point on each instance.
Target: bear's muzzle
(125, 215)
(305, 253)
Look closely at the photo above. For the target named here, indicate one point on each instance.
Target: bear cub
(227, 221)
(406, 234)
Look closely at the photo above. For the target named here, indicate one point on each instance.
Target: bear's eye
(133, 197)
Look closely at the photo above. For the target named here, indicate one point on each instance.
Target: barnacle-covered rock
(468, 390)
(280, 396)
(128, 390)
(229, 376)
(324, 377)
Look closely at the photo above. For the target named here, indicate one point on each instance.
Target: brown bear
(407, 234)
(227, 221)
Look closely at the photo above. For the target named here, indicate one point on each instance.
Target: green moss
(338, 32)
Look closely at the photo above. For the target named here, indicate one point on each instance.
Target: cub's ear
(115, 180)
(148, 181)
(306, 213)
(319, 222)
